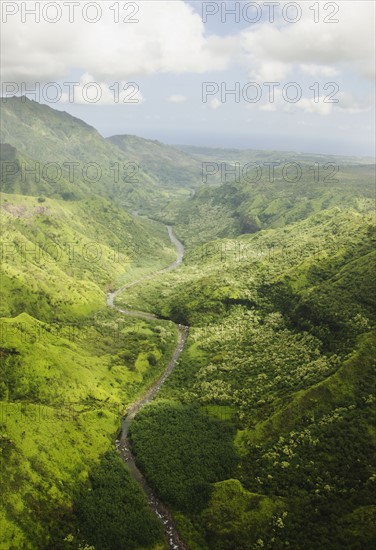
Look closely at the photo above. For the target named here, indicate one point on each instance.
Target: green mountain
(69, 365)
(69, 152)
(280, 351)
(278, 289)
(263, 434)
(167, 165)
(242, 207)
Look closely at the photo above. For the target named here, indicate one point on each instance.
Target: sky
(295, 76)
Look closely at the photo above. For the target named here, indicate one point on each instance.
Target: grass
(69, 365)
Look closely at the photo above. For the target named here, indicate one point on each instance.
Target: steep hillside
(70, 367)
(263, 434)
(272, 202)
(64, 387)
(23, 176)
(280, 349)
(64, 149)
(167, 165)
(58, 258)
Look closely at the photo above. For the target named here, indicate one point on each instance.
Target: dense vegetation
(51, 153)
(282, 339)
(112, 512)
(263, 434)
(69, 365)
(183, 474)
(166, 164)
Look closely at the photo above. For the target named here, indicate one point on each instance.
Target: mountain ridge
(262, 436)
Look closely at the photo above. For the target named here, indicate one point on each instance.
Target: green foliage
(69, 367)
(237, 519)
(58, 258)
(64, 390)
(112, 511)
(182, 450)
(242, 207)
(263, 434)
(298, 379)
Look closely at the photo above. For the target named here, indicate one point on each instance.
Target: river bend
(122, 443)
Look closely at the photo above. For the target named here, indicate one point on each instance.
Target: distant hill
(253, 155)
(235, 208)
(167, 165)
(69, 151)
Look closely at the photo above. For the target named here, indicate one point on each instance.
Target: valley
(122, 429)
(123, 443)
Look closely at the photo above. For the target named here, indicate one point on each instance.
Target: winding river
(122, 443)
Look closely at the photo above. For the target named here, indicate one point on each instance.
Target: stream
(122, 443)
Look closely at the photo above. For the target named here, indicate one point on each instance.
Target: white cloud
(177, 98)
(268, 107)
(347, 102)
(318, 70)
(271, 71)
(169, 37)
(215, 104)
(274, 102)
(321, 105)
(272, 50)
(90, 92)
(309, 105)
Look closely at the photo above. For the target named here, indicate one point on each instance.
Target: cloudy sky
(265, 75)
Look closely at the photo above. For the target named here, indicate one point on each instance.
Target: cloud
(272, 50)
(321, 105)
(309, 105)
(177, 98)
(268, 107)
(215, 104)
(271, 71)
(169, 38)
(318, 70)
(347, 102)
(90, 92)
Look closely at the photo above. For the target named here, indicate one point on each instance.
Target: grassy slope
(170, 167)
(68, 253)
(65, 392)
(69, 366)
(280, 348)
(282, 328)
(132, 175)
(241, 208)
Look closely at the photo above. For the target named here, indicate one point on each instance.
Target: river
(122, 443)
